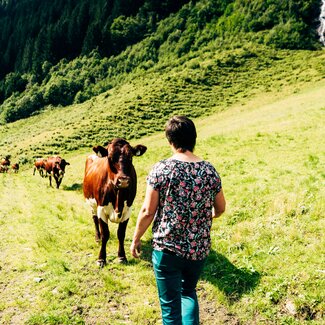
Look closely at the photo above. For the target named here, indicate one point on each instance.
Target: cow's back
(40, 163)
(48, 165)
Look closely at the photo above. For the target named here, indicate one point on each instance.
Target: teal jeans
(176, 280)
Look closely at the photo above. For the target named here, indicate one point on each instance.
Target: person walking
(183, 194)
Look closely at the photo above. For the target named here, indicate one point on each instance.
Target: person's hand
(135, 248)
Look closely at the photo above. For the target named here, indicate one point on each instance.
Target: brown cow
(15, 167)
(109, 186)
(55, 166)
(5, 164)
(39, 165)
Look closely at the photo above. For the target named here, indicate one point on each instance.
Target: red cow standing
(109, 186)
(5, 164)
(15, 167)
(39, 165)
(55, 166)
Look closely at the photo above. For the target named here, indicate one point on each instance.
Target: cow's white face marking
(107, 212)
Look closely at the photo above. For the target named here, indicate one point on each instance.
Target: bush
(16, 108)
(126, 31)
(289, 35)
(13, 82)
(61, 91)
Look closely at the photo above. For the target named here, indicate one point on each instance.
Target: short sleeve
(217, 185)
(154, 179)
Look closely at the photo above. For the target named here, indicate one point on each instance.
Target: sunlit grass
(266, 262)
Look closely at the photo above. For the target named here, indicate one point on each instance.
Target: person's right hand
(135, 249)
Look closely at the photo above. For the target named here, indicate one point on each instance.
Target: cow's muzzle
(123, 182)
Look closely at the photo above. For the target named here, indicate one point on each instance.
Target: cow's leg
(97, 233)
(34, 171)
(50, 178)
(121, 236)
(104, 237)
(58, 182)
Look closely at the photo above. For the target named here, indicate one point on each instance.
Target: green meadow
(267, 260)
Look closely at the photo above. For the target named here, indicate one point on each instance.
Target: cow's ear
(67, 163)
(139, 150)
(100, 151)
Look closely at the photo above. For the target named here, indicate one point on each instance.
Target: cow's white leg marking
(104, 212)
(93, 205)
(126, 213)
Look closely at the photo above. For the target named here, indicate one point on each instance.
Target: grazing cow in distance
(15, 167)
(5, 164)
(55, 166)
(39, 165)
(109, 186)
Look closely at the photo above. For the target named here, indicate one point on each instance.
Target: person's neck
(186, 156)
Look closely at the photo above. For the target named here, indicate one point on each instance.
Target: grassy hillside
(266, 264)
(54, 64)
(206, 82)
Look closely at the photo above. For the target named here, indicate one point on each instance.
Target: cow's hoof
(122, 260)
(101, 263)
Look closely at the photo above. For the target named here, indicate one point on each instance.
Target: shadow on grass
(229, 279)
(219, 271)
(73, 187)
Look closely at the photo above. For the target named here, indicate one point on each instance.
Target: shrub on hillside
(289, 35)
(81, 96)
(13, 82)
(61, 91)
(16, 108)
(125, 31)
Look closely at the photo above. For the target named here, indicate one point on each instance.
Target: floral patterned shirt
(183, 219)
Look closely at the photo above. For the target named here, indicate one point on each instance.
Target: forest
(56, 53)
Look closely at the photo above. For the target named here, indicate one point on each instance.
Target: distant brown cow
(39, 165)
(5, 164)
(109, 186)
(15, 167)
(55, 166)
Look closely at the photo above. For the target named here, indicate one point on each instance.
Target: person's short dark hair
(181, 133)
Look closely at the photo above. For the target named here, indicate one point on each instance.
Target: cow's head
(59, 169)
(6, 160)
(119, 154)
